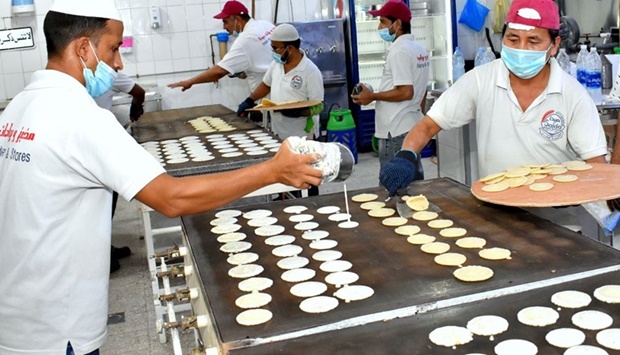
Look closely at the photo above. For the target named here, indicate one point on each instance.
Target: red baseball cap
(232, 8)
(394, 8)
(527, 14)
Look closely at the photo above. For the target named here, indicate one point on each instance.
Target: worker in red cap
(248, 57)
(527, 109)
(401, 93)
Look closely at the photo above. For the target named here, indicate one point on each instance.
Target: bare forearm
(194, 194)
(208, 76)
(261, 91)
(419, 136)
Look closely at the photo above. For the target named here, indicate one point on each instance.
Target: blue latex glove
(244, 106)
(401, 171)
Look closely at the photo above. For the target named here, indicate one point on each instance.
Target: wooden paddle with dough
(596, 184)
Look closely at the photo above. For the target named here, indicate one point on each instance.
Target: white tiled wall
(178, 50)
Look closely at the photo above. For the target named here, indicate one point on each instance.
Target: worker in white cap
(61, 156)
(291, 77)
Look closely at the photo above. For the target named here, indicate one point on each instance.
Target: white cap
(284, 33)
(99, 8)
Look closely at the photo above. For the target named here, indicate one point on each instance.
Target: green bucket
(341, 128)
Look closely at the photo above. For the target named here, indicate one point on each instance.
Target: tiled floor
(130, 287)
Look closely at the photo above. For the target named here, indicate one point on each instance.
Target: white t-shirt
(60, 158)
(251, 52)
(122, 83)
(304, 82)
(407, 63)
(561, 124)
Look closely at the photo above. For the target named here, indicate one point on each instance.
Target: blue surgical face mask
(280, 58)
(101, 81)
(277, 58)
(235, 32)
(525, 64)
(385, 34)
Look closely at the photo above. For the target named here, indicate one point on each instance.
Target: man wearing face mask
(291, 77)
(248, 57)
(402, 92)
(526, 108)
(61, 156)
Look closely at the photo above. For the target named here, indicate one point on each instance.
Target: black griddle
(406, 281)
(173, 124)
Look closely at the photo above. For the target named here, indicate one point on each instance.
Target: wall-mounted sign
(16, 38)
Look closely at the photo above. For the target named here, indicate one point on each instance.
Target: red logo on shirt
(14, 135)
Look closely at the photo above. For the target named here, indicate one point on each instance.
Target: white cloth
(251, 52)
(56, 185)
(407, 63)
(122, 84)
(561, 124)
(302, 83)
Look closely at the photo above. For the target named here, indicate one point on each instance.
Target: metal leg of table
(149, 233)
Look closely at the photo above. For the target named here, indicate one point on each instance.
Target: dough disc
(592, 320)
(308, 289)
(494, 254)
(253, 300)
(473, 273)
(254, 317)
(608, 293)
(319, 304)
(516, 347)
(435, 247)
(487, 325)
(538, 316)
(565, 337)
(354, 293)
(571, 299)
(450, 259)
(450, 336)
(419, 239)
(471, 242)
(255, 284)
(609, 338)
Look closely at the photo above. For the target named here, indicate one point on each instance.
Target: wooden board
(286, 106)
(602, 182)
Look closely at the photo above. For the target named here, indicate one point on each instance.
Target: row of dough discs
(294, 266)
(571, 339)
(208, 124)
(192, 148)
(429, 243)
(490, 325)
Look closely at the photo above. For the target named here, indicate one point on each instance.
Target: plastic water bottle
(489, 55)
(458, 64)
(480, 58)
(581, 65)
(593, 74)
(564, 60)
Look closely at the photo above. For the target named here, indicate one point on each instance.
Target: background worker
(248, 57)
(291, 77)
(56, 184)
(402, 93)
(122, 84)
